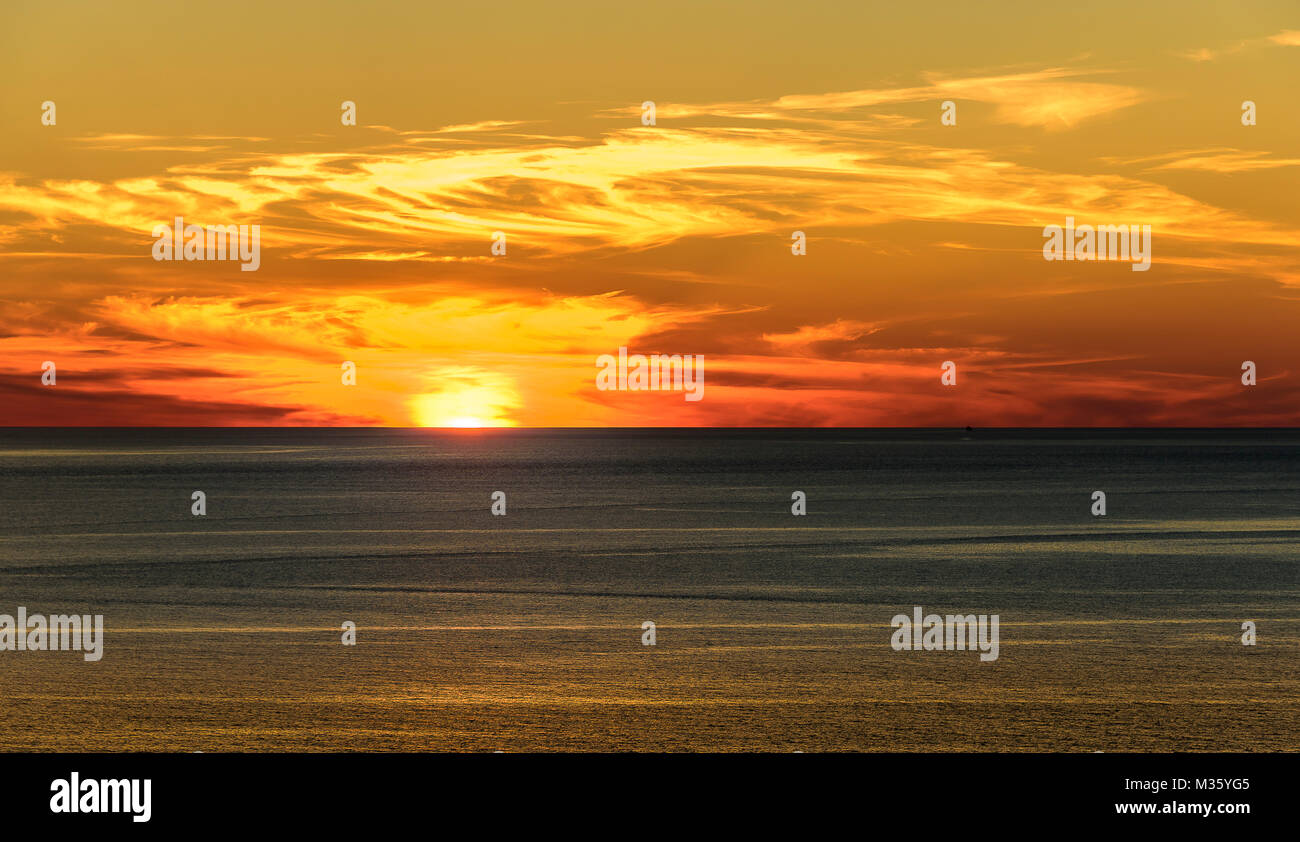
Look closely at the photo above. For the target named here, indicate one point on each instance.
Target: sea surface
(523, 632)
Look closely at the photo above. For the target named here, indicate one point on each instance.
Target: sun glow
(465, 422)
(466, 407)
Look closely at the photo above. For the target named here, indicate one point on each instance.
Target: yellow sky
(923, 240)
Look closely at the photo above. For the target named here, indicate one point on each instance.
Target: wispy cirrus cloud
(1052, 98)
(630, 190)
(808, 336)
(1220, 160)
(1286, 38)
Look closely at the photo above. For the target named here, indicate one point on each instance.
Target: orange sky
(924, 241)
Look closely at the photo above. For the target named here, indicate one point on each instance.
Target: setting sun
(466, 407)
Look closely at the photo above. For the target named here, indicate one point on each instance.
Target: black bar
(446, 793)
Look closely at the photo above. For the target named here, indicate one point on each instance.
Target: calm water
(523, 632)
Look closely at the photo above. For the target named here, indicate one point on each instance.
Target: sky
(924, 241)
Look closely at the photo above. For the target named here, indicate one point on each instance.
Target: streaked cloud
(1053, 98)
(1224, 160)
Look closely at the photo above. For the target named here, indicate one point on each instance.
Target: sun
(465, 407)
(465, 421)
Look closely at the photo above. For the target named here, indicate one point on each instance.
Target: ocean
(477, 632)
